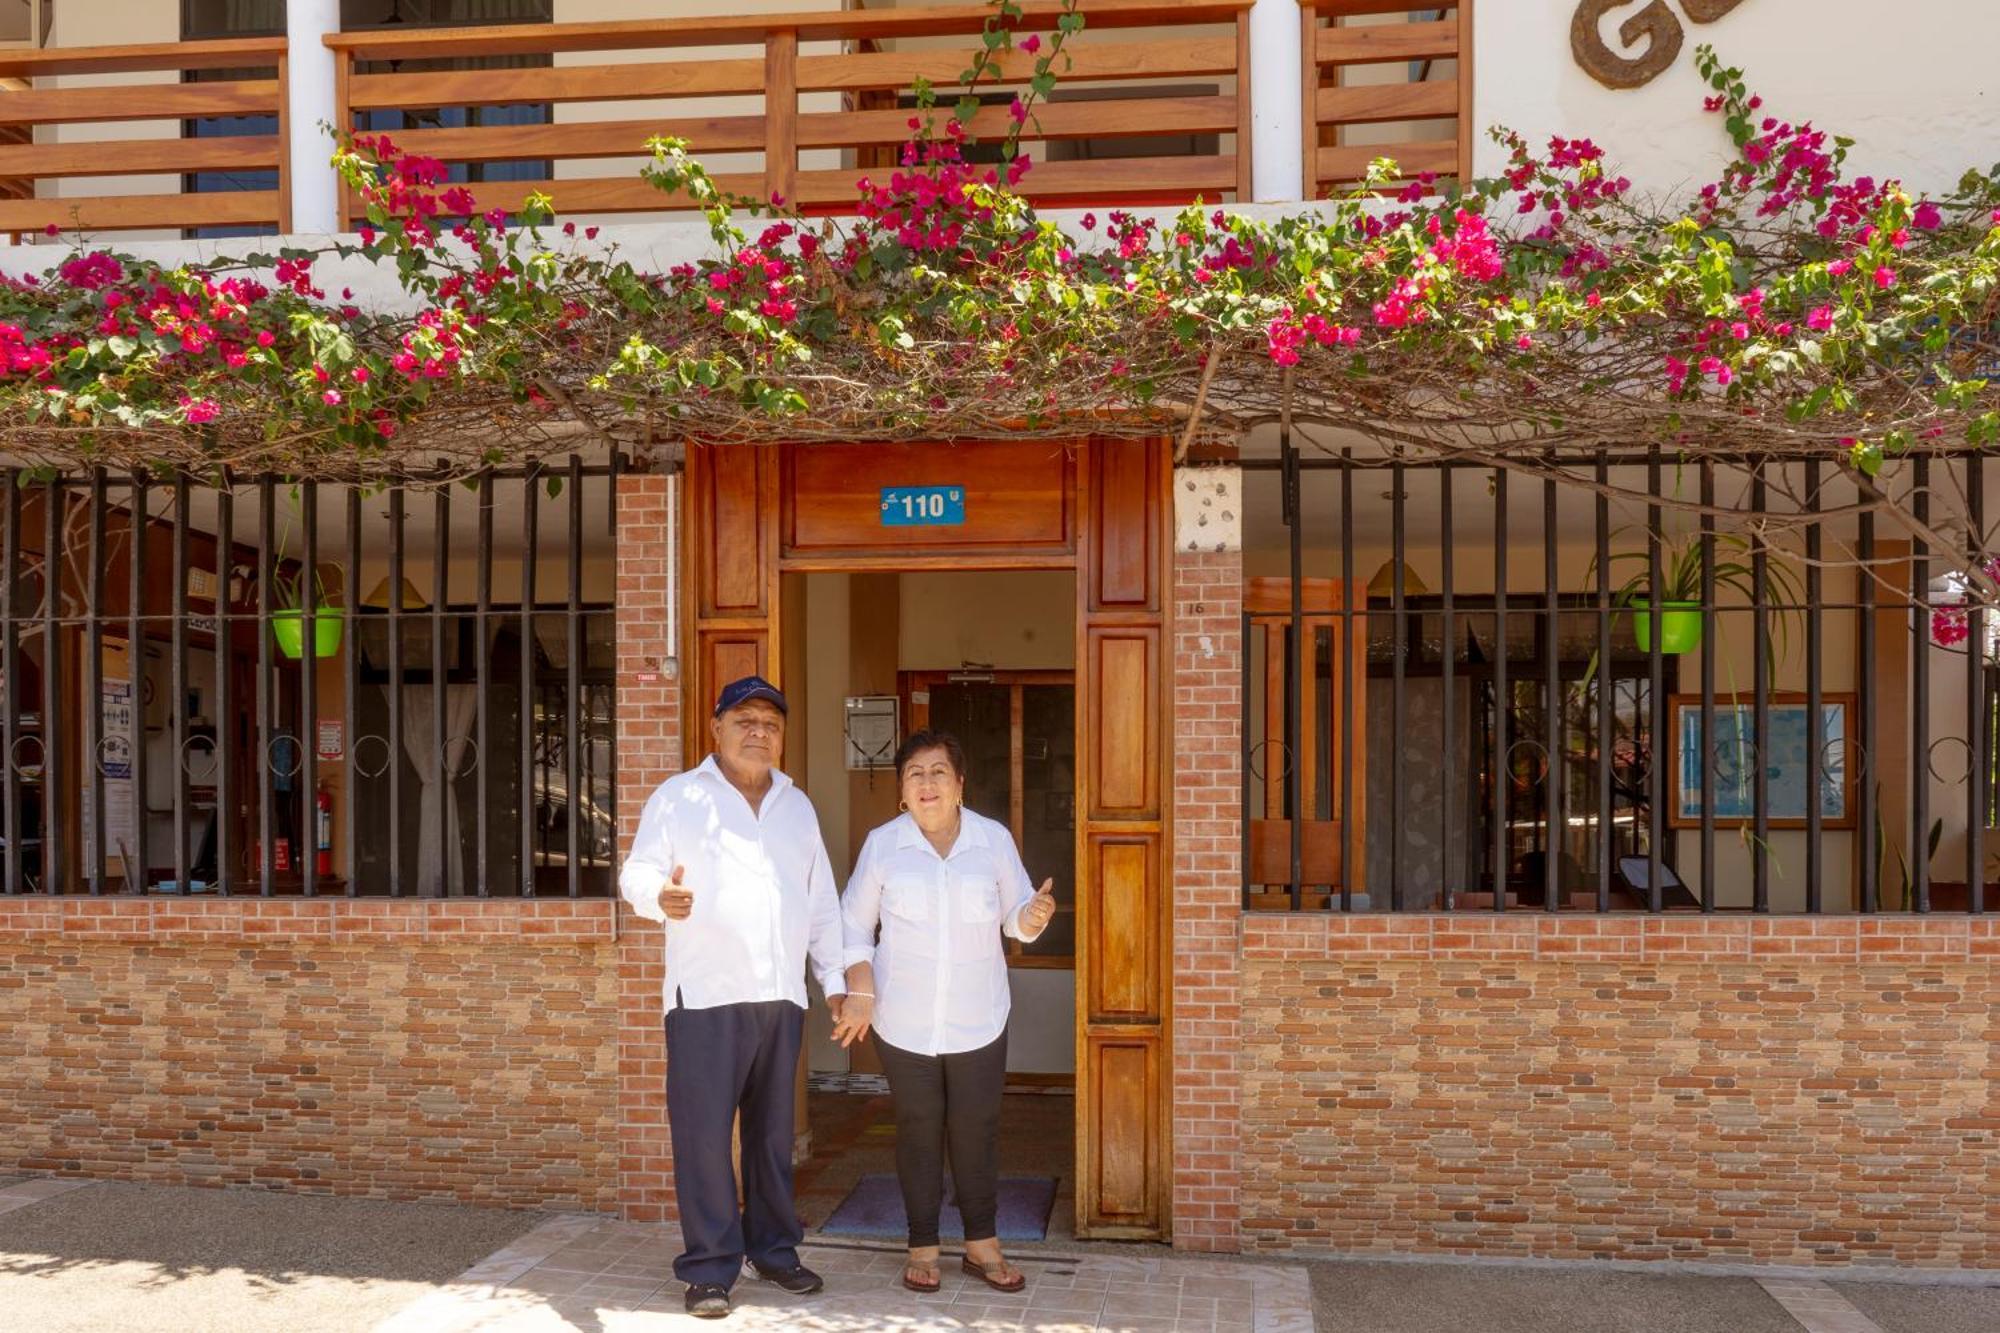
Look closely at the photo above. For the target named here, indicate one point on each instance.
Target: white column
(315, 186)
(1277, 142)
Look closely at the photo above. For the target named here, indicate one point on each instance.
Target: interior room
(990, 657)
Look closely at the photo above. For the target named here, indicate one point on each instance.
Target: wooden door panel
(1125, 512)
(1125, 928)
(1126, 687)
(1017, 498)
(1126, 1165)
(729, 484)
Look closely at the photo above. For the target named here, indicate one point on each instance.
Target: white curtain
(437, 818)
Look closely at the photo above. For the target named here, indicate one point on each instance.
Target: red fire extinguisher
(323, 831)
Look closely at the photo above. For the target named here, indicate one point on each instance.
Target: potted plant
(1679, 594)
(288, 626)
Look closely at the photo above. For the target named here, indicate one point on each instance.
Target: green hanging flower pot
(288, 628)
(1680, 626)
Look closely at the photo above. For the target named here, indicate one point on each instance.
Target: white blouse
(940, 973)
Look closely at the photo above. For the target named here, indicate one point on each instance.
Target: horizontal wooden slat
(126, 212)
(1387, 41)
(581, 140)
(1129, 117)
(1351, 8)
(1114, 178)
(140, 156)
(570, 83)
(1164, 59)
(229, 53)
(726, 30)
(171, 101)
(1351, 163)
(1374, 103)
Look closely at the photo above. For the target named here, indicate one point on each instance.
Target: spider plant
(1679, 595)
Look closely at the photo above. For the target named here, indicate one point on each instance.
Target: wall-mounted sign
(330, 743)
(870, 725)
(1654, 34)
(923, 506)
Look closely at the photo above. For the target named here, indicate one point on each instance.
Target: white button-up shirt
(940, 973)
(764, 896)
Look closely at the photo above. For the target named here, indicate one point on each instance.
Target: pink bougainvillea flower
(331, 398)
(1927, 217)
(200, 411)
(1949, 626)
(1838, 268)
(1031, 43)
(1885, 277)
(1821, 319)
(1018, 110)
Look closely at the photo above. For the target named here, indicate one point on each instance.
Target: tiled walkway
(578, 1273)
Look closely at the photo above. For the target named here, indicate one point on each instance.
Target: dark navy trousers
(734, 1058)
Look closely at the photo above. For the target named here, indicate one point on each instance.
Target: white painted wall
(1912, 84)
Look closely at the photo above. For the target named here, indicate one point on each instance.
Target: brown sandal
(987, 1275)
(927, 1267)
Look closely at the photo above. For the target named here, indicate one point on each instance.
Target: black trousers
(734, 1058)
(947, 1103)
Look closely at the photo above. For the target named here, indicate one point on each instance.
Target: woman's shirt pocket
(907, 924)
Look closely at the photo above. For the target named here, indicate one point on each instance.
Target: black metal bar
(1399, 628)
(1760, 633)
(1607, 825)
(1552, 708)
(220, 755)
(440, 595)
(307, 752)
(1870, 809)
(395, 760)
(1815, 716)
(1296, 658)
(55, 772)
(137, 529)
(1350, 843)
(611, 692)
(1975, 693)
(93, 687)
(1920, 693)
(267, 559)
(483, 720)
(11, 823)
(350, 708)
(1657, 748)
(1244, 684)
(1503, 699)
(530, 549)
(1711, 628)
(573, 720)
(1448, 663)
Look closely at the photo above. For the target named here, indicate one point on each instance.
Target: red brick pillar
(649, 748)
(1208, 846)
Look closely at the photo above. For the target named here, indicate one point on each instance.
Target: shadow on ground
(1359, 1297)
(119, 1255)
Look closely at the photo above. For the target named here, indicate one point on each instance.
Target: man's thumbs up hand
(675, 900)
(1041, 909)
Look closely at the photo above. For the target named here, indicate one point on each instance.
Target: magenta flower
(1821, 319)
(331, 398)
(1885, 277)
(1031, 43)
(1949, 627)
(200, 411)
(1018, 110)
(1927, 217)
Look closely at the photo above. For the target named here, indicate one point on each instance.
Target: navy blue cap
(738, 692)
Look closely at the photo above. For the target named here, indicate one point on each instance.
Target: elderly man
(729, 857)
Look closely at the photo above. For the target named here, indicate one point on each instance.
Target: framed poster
(1733, 761)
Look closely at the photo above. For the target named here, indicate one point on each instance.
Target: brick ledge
(171, 920)
(1525, 936)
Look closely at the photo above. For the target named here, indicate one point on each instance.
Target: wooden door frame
(1103, 510)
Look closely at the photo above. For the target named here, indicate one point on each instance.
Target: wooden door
(1123, 956)
(1101, 508)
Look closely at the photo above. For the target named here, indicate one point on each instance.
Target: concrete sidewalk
(78, 1257)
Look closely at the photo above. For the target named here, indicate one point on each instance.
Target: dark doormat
(875, 1208)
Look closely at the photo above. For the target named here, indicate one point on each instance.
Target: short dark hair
(927, 739)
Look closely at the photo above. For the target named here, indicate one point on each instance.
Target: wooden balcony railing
(1176, 79)
(235, 85)
(1386, 79)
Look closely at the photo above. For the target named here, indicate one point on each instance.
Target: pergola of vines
(1789, 310)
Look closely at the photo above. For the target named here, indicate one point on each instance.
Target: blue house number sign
(923, 506)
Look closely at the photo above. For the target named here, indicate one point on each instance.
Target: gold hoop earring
(903, 807)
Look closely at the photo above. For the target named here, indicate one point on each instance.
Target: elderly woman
(943, 883)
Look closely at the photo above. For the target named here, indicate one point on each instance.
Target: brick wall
(1778, 1090)
(649, 751)
(1207, 895)
(402, 1050)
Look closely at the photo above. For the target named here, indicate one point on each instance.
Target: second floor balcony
(1157, 103)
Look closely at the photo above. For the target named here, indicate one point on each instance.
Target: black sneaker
(706, 1300)
(799, 1281)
